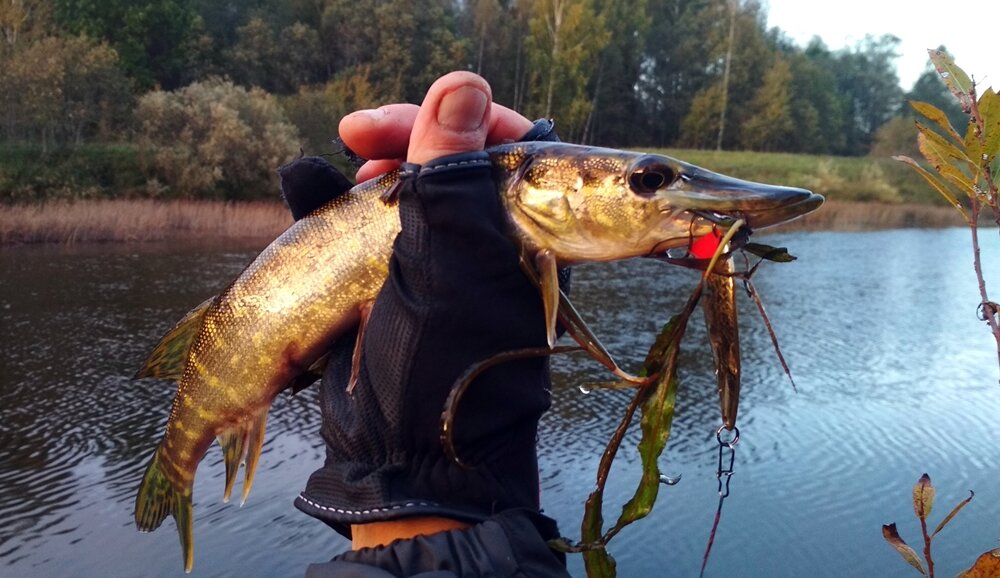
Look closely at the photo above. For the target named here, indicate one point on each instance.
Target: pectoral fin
(169, 357)
(352, 381)
(548, 284)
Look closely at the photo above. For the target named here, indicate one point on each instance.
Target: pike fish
(566, 204)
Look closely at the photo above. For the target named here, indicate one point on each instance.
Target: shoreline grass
(91, 221)
(108, 220)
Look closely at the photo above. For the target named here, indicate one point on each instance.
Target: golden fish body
(232, 355)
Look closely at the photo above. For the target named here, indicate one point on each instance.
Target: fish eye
(649, 175)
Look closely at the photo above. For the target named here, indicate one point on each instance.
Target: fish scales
(233, 354)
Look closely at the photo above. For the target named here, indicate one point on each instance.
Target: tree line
(653, 73)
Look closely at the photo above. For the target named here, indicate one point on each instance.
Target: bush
(29, 173)
(213, 139)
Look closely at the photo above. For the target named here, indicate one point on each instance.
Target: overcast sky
(919, 24)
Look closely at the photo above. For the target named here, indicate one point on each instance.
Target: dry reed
(859, 216)
(139, 220)
(147, 220)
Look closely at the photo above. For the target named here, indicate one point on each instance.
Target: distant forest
(651, 73)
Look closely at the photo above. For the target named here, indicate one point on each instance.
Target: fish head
(587, 204)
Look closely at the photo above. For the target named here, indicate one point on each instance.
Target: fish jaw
(722, 199)
(587, 204)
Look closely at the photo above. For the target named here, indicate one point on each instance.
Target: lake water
(896, 378)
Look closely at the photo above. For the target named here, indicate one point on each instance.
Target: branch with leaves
(965, 167)
(987, 565)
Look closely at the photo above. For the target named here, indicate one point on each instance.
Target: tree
(769, 125)
(565, 39)
(153, 38)
(64, 90)
(615, 104)
(867, 82)
(817, 110)
(22, 21)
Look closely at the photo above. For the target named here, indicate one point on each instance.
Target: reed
(855, 216)
(140, 220)
(147, 220)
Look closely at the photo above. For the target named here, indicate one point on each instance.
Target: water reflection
(896, 377)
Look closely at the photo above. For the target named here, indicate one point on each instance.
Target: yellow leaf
(942, 156)
(934, 182)
(937, 115)
(986, 566)
(957, 81)
(923, 497)
(909, 556)
(989, 110)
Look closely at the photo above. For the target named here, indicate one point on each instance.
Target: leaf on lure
(769, 253)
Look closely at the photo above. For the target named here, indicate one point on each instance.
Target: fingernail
(372, 113)
(463, 109)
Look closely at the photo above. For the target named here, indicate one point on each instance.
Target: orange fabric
(382, 533)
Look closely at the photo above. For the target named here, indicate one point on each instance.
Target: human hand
(458, 116)
(455, 296)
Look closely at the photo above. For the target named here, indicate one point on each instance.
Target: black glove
(455, 296)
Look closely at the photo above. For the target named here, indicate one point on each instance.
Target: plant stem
(927, 547)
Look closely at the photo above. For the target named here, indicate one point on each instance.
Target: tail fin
(158, 497)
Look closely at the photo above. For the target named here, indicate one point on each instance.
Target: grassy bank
(28, 174)
(146, 220)
(837, 178)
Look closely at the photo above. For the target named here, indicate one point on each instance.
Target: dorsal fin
(170, 355)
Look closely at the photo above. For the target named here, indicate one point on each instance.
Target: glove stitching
(476, 162)
(369, 511)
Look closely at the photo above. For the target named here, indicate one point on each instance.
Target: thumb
(453, 118)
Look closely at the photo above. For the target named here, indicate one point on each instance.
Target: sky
(919, 24)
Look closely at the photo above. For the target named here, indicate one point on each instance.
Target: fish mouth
(721, 200)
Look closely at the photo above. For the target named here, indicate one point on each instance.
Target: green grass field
(113, 171)
(838, 178)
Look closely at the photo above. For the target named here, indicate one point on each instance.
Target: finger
(372, 169)
(506, 125)
(454, 118)
(381, 133)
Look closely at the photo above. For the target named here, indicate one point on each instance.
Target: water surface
(896, 377)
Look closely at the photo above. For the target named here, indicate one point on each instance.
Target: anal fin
(241, 444)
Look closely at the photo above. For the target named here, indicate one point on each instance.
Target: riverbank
(147, 220)
(141, 220)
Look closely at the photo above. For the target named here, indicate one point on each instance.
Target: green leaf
(989, 110)
(957, 81)
(769, 253)
(593, 518)
(599, 563)
(953, 513)
(934, 182)
(909, 556)
(937, 115)
(923, 497)
(656, 422)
